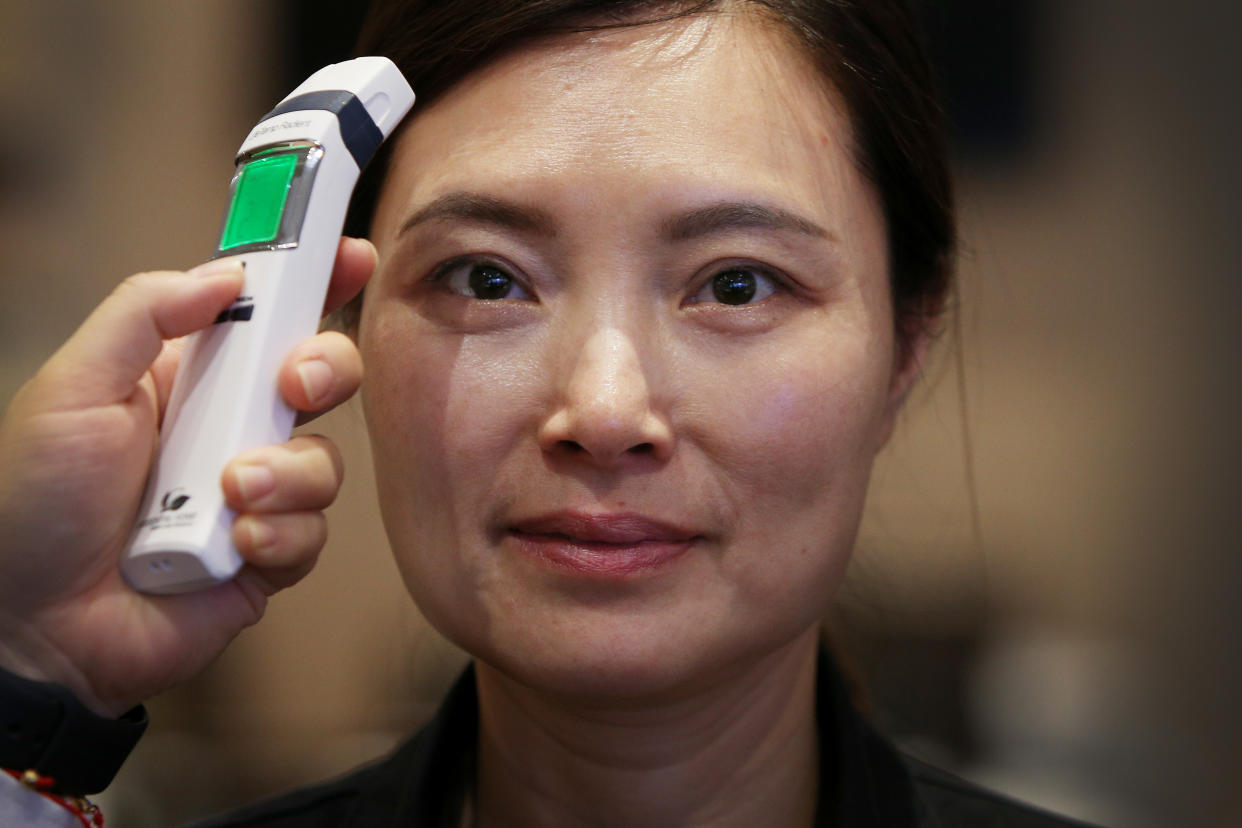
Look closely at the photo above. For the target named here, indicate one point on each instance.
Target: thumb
(106, 357)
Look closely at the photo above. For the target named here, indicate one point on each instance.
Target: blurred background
(1047, 595)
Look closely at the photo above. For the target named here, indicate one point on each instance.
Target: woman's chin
(602, 677)
(640, 663)
(662, 632)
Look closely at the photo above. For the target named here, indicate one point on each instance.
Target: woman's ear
(908, 364)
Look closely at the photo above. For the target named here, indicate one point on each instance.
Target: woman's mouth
(606, 545)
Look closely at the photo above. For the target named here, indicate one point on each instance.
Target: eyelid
(440, 272)
(780, 282)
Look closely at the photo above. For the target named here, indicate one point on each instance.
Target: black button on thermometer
(296, 171)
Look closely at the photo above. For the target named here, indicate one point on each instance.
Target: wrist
(34, 661)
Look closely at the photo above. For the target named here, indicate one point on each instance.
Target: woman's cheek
(405, 396)
(799, 419)
(800, 465)
(492, 394)
(792, 438)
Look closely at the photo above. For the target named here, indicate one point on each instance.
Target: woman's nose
(605, 411)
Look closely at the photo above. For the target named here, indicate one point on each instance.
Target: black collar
(863, 781)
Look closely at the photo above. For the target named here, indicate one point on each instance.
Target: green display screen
(259, 200)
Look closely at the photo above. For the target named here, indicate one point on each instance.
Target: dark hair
(870, 51)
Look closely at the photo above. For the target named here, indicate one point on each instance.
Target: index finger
(355, 260)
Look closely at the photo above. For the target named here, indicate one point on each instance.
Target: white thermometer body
(296, 171)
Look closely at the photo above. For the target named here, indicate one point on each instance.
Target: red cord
(81, 807)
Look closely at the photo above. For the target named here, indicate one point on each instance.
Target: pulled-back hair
(869, 51)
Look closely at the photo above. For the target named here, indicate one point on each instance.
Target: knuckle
(316, 530)
(327, 457)
(318, 484)
(329, 484)
(338, 463)
(304, 536)
(139, 283)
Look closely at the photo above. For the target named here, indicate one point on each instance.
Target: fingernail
(255, 481)
(217, 267)
(316, 376)
(261, 535)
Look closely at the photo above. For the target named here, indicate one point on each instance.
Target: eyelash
(775, 284)
(443, 272)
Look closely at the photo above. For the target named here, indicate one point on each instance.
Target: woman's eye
(480, 280)
(736, 286)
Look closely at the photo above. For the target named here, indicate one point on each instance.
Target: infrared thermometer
(295, 174)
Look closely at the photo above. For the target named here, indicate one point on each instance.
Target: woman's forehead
(708, 102)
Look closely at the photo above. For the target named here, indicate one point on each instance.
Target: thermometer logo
(169, 503)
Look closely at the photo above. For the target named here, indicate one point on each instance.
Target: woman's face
(629, 355)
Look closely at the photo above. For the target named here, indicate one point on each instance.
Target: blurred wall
(1073, 614)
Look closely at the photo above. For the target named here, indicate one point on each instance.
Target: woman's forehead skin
(709, 108)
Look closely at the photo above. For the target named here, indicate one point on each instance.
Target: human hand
(76, 445)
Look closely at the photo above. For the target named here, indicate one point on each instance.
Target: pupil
(489, 283)
(733, 287)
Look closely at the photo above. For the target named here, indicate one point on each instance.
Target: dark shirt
(864, 780)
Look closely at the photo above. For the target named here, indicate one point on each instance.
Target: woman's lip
(621, 528)
(601, 546)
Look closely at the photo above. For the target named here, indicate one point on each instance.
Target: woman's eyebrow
(476, 208)
(731, 215)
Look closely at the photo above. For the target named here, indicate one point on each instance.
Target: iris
(489, 282)
(734, 287)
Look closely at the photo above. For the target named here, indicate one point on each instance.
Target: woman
(651, 282)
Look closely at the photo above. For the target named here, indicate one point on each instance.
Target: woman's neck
(744, 752)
